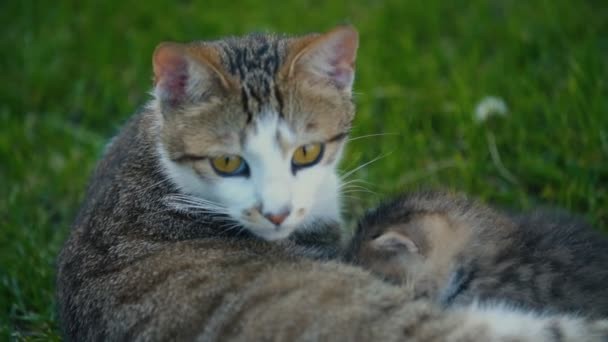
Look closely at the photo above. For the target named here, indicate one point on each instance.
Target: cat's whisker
(354, 186)
(197, 207)
(351, 172)
(359, 191)
(191, 198)
(187, 204)
(194, 202)
(347, 189)
(231, 226)
(214, 219)
(205, 210)
(365, 194)
(153, 185)
(370, 135)
(354, 181)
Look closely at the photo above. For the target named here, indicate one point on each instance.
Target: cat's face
(253, 128)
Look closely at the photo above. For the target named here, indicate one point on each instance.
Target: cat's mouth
(270, 227)
(271, 233)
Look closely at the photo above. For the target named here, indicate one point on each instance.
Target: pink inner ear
(343, 44)
(393, 241)
(170, 73)
(333, 55)
(343, 77)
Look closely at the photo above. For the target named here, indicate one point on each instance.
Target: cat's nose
(277, 219)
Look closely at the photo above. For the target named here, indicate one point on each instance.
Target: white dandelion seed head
(490, 106)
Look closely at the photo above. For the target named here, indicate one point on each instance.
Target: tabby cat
(193, 223)
(454, 250)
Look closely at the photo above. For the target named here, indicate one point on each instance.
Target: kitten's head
(252, 127)
(413, 239)
(398, 251)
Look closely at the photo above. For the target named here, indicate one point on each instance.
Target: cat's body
(239, 147)
(457, 251)
(158, 276)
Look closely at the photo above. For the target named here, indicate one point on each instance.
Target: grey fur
(545, 260)
(255, 60)
(135, 269)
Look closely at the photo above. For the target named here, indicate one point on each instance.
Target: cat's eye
(307, 155)
(229, 165)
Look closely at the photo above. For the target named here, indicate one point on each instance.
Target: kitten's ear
(185, 74)
(395, 242)
(331, 56)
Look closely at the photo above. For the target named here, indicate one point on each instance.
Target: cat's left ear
(330, 56)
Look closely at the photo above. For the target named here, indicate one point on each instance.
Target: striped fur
(466, 252)
(139, 265)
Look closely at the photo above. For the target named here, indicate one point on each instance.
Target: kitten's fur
(145, 262)
(458, 251)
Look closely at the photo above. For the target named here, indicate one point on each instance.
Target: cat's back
(575, 248)
(554, 261)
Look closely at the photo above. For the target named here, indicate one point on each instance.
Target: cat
(457, 251)
(208, 215)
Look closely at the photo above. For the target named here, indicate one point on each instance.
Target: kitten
(457, 251)
(238, 148)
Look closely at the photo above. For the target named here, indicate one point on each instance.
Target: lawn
(75, 70)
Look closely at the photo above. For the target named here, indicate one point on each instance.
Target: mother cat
(238, 148)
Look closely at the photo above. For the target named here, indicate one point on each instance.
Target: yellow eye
(229, 165)
(307, 155)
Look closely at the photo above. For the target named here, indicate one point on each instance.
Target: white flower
(490, 106)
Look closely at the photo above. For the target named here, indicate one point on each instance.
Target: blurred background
(505, 100)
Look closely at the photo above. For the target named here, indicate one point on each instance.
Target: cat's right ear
(395, 242)
(184, 74)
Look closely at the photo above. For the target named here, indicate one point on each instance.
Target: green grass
(73, 71)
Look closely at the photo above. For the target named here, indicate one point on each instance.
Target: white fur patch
(311, 195)
(508, 323)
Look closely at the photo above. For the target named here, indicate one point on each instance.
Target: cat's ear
(330, 56)
(185, 74)
(395, 242)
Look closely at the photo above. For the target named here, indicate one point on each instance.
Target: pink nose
(277, 219)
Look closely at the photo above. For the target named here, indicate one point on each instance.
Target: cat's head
(394, 246)
(252, 127)
(415, 239)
